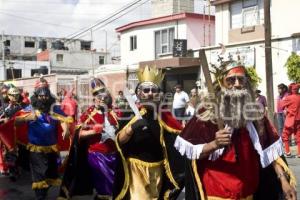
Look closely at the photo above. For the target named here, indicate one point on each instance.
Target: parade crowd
(141, 146)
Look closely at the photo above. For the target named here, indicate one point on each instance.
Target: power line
(35, 20)
(59, 2)
(73, 35)
(101, 26)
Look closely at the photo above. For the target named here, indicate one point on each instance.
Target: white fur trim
(186, 148)
(268, 155)
(216, 154)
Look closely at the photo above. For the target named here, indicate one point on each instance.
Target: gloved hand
(98, 128)
(140, 125)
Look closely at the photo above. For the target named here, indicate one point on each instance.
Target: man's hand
(139, 125)
(4, 120)
(223, 138)
(289, 192)
(98, 128)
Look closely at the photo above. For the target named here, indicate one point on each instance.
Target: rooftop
(163, 19)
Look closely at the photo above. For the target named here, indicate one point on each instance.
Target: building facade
(25, 56)
(154, 41)
(240, 33)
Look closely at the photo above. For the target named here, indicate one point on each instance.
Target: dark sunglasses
(152, 89)
(102, 95)
(232, 79)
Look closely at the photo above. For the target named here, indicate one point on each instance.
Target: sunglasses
(152, 89)
(101, 95)
(232, 79)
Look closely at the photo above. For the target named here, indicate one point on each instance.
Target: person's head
(178, 88)
(14, 94)
(148, 90)
(294, 88)
(4, 90)
(42, 98)
(282, 89)
(121, 94)
(102, 97)
(193, 92)
(257, 93)
(236, 93)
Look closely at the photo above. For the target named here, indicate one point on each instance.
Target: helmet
(13, 91)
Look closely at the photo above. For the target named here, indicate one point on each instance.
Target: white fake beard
(232, 105)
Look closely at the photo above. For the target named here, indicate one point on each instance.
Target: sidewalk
(294, 164)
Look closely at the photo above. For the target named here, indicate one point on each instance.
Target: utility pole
(3, 56)
(106, 47)
(92, 57)
(268, 60)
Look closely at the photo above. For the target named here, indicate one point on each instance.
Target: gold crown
(150, 74)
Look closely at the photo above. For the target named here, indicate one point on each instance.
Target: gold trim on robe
(42, 149)
(145, 178)
(293, 181)
(166, 165)
(46, 183)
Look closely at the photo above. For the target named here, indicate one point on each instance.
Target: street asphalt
(21, 189)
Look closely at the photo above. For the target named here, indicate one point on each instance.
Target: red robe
(236, 173)
(97, 118)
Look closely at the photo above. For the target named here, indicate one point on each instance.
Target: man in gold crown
(151, 168)
(242, 160)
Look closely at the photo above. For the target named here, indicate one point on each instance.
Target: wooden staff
(209, 84)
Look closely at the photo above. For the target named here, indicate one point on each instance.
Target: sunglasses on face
(232, 79)
(101, 96)
(152, 89)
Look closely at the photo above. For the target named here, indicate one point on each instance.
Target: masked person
(291, 104)
(242, 160)
(44, 124)
(7, 136)
(151, 168)
(92, 158)
(3, 104)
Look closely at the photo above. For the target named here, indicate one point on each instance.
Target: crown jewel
(150, 74)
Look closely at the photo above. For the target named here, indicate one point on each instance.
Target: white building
(76, 62)
(151, 42)
(25, 55)
(240, 28)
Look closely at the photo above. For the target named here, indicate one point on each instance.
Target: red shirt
(292, 105)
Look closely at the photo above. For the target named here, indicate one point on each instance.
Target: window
(101, 60)
(246, 13)
(249, 3)
(7, 43)
(133, 43)
(59, 57)
(43, 45)
(58, 45)
(12, 73)
(164, 40)
(85, 45)
(296, 45)
(29, 44)
(250, 16)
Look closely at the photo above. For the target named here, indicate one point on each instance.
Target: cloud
(60, 18)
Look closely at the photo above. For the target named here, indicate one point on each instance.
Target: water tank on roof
(43, 70)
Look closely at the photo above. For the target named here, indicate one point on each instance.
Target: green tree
(255, 80)
(293, 67)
